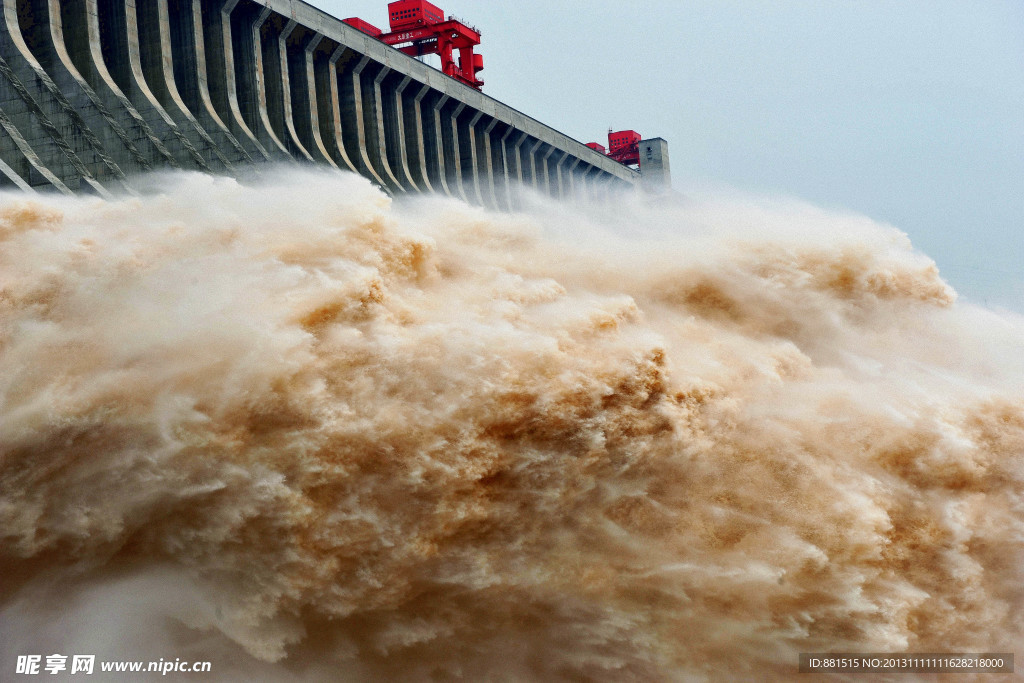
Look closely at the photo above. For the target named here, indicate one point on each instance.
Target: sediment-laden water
(304, 433)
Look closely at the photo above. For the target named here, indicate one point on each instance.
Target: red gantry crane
(623, 146)
(420, 28)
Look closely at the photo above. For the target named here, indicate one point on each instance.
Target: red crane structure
(623, 146)
(420, 28)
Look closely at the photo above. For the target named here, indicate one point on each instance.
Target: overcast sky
(908, 111)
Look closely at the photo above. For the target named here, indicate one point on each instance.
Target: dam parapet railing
(93, 92)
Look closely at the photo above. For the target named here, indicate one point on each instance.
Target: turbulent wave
(305, 433)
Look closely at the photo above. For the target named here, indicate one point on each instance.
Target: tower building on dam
(94, 92)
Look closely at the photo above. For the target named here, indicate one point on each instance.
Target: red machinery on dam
(420, 28)
(623, 146)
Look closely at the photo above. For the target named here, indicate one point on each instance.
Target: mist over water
(305, 433)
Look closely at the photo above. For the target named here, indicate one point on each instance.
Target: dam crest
(93, 92)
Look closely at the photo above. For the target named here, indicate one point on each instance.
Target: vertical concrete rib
(586, 182)
(353, 117)
(291, 46)
(452, 150)
(37, 111)
(233, 43)
(249, 104)
(470, 159)
(88, 131)
(308, 103)
(559, 190)
(521, 157)
(434, 141)
(545, 175)
(534, 167)
(96, 126)
(189, 71)
(374, 96)
(400, 149)
(82, 32)
(113, 43)
(571, 177)
(269, 74)
(582, 181)
(328, 77)
(119, 38)
(507, 165)
(157, 59)
(596, 183)
(415, 135)
(519, 177)
(487, 152)
(67, 51)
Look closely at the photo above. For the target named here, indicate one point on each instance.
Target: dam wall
(93, 92)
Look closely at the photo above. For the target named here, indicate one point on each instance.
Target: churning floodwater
(306, 433)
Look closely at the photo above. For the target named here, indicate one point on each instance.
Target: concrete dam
(93, 92)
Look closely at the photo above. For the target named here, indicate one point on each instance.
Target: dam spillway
(93, 92)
